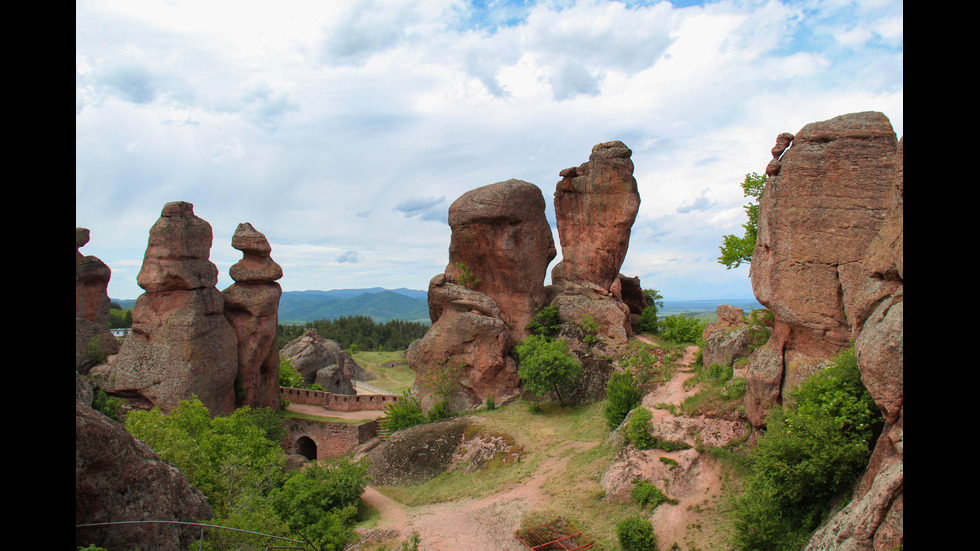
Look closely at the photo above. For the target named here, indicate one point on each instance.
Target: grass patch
(397, 378)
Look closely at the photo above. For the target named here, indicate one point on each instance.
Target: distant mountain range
(412, 305)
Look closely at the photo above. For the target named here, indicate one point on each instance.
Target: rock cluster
(91, 305)
(828, 263)
(181, 344)
(118, 478)
(499, 253)
(251, 306)
(818, 214)
(324, 362)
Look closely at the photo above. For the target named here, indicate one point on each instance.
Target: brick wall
(337, 402)
(332, 439)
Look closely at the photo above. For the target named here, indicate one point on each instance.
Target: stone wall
(337, 402)
(332, 439)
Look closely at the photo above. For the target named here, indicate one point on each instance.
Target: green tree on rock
(736, 250)
(547, 365)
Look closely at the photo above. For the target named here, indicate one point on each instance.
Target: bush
(636, 534)
(547, 365)
(622, 395)
(681, 328)
(636, 429)
(546, 323)
(813, 449)
(403, 413)
(648, 321)
(107, 404)
(648, 495)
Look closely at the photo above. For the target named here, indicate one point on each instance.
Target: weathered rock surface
(874, 518)
(596, 205)
(731, 337)
(252, 309)
(417, 454)
(501, 236)
(311, 352)
(818, 214)
(181, 344)
(119, 478)
(465, 352)
(91, 305)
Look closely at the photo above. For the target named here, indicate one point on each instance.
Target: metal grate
(559, 535)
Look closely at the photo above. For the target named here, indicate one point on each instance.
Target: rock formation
(181, 344)
(874, 518)
(501, 237)
(251, 307)
(825, 200)
(323, 361)
(91, 305)
(596, 205)
(118, 478)
(499, 253)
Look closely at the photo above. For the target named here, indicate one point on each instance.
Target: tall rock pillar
(252, 309)
(181, 344)
(91, 305)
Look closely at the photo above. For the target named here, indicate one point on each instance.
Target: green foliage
(439, 411)
(94, 351)
(588, 331)
(546, 322)
(466, 277)
(648, 318)
(814, 448)
(229, 458)
(622, 395)
(547, 365)
(403, 413)
(490, 402)
(107, 404)
(361, 330)
(681, 329)
(648, 495)
(320, 502)
(288, 376)
(760, 324)
(636, 534)
(119, 318)
(734, 249)
(639, 435)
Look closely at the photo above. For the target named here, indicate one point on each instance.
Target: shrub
(681, 328)
(288, 376)
(648, 321)
(546, 323)
(622, 395)
(636, 534)
(466, 277)
(814, 448)
(589, 331)
(107, 404)
(403, 413)
(490, 402)
(547, 365)
(636, 429)
(648, 495)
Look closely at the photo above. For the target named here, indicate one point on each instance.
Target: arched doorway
(306, 447)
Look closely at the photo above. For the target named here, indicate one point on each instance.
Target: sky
(344, 129)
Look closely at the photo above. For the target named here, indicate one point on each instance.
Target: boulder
(252, 309)
(181, 344)
(91, 306)
(595, 207)
(311, 352)
(417, 454)
(501, 237)
(819, 211)
(118, 478)
(463, 357)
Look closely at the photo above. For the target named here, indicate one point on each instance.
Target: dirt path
(487, 523)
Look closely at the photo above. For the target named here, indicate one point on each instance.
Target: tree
(547, 365)
(648, 318)
(734, 249)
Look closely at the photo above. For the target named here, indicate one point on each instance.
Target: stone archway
(306, 447)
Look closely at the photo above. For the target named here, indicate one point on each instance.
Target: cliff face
(828, 263)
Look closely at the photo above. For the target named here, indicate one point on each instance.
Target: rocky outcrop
(826, 199)
(595, 206)
(181, 344)
(118, 478)
(500, 236)
(732, 336)
(251, 307)
(91, 307)
(417, 454)
(323, 361)
(874, 518)
(463, 357)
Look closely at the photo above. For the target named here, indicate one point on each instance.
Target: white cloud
(343, 129)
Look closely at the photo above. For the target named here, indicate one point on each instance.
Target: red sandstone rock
(252, 309)
(501, 236)
(596, 205)
(467, 345)
(118, 478)
(181, 344)
(816, 220)
(91, 304)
